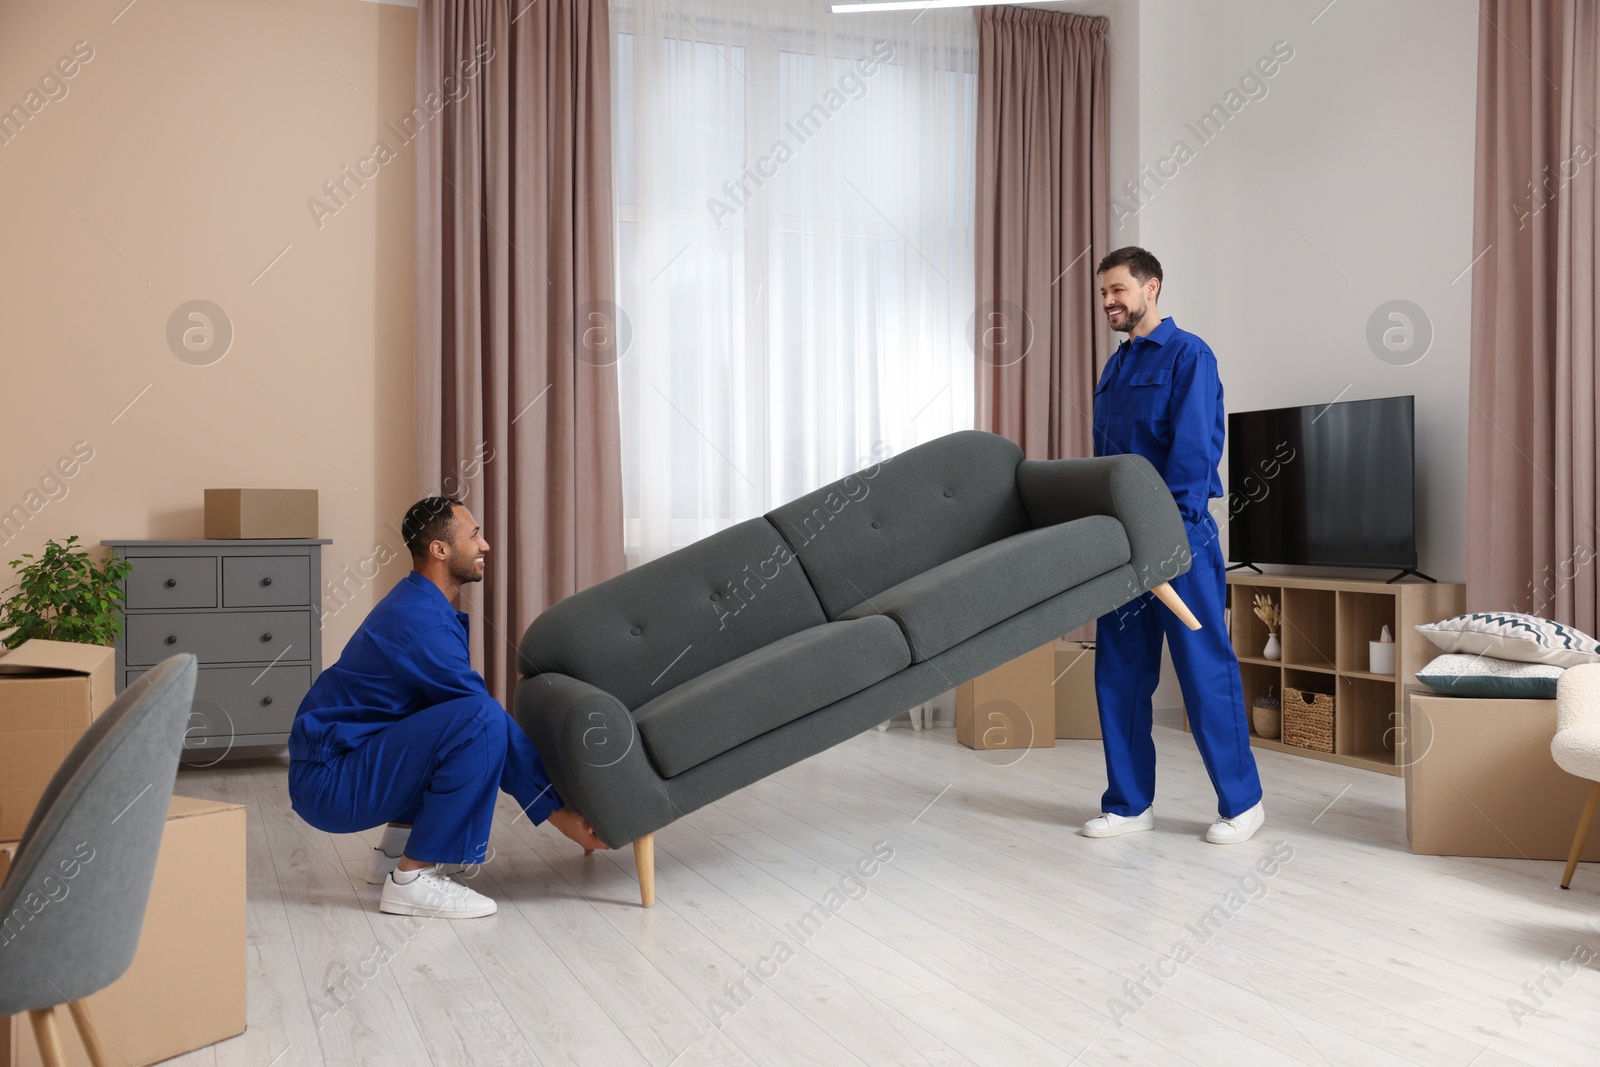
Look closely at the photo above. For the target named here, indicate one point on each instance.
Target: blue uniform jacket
(1160, 397)
(409, 653)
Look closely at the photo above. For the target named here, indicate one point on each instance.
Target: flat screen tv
(1328, 485)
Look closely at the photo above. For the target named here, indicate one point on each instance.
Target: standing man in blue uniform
(403, 731)
(1160, 397)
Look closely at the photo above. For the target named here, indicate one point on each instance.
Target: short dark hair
(1141, 264)
(427, 521)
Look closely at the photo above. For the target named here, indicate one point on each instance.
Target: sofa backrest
(880, 526)
(664, 622)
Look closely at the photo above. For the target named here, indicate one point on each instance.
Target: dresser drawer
(265, 581)
(233, 702)
(172, 582)
(224, 637)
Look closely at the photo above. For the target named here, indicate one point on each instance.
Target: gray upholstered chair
(73, 903)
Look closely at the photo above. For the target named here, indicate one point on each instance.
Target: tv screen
(1324, 485)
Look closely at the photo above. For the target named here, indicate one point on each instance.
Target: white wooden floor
(992, 935)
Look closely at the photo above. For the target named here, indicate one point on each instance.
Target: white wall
(1363, 145)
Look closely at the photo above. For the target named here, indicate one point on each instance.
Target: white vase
(1273, 649)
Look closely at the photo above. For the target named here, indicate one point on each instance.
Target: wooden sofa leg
(1169, 596)
(1585, 821)
(644, 858)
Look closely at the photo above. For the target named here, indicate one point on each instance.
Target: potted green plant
(62, 595)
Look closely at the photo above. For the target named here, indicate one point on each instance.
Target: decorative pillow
(1510, 635)
(1484, 676)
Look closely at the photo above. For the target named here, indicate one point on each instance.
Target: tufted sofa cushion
(940, 608)
(646, 631)
(879, 527)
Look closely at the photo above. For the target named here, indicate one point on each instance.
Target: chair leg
(644, 858)
(89, 1033)
(1169, 596)
(1584, 822)
(48, 1037)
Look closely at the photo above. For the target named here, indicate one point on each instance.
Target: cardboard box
(233, 514)
(49, 693)
(1077, 707)
(1013, 706)
(1480, 780)
(186, 987)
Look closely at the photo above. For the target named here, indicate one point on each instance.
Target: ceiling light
(911, 5)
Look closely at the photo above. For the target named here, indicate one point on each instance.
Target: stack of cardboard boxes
(1032, 701)
(186, 987)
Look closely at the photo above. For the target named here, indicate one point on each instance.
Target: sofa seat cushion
(765, 689)
(942, 607)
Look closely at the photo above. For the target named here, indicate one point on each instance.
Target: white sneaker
(432, 894)
(1238, 829)
(1108, 825)
(383, 864)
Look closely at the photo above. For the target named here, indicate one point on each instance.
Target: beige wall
(177, 165)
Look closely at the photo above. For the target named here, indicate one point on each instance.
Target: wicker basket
(1307, 719)
(1266, 717)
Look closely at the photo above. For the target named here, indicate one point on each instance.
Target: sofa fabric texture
(670, 686)
(767, 688)
(710, 603)
(889, 523)
(941, 607)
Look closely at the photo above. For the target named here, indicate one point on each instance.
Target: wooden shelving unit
(1326, 624)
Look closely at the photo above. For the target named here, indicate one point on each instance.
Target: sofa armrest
(594, 756)
(1129, 489)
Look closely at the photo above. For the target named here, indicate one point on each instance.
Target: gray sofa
(670, 686)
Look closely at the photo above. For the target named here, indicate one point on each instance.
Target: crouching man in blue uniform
(1160, 397)
(403, 731)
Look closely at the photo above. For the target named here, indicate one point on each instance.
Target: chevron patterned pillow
(1512, 635)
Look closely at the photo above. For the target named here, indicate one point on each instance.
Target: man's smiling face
(1124, 301)
(467, 547)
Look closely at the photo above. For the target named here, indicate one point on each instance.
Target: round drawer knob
(266, 636)
(265, 701)
(172, 583)
(172, 639)
(267, 580)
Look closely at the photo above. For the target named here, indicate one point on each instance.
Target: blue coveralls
(402, 729)
(1160, 397)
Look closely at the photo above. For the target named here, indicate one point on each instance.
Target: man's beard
(464, 568)
(1132, 317)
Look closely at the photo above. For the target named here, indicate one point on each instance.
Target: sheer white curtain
(795, 257)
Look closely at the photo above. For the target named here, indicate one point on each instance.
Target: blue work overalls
(1160, 397)
(402, 729)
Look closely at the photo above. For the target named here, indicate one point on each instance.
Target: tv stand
(1252, 566)
(1326, 624)
(1410, 570)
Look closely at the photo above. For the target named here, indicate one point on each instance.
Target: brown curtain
(1043, 186)
(517, 412)
(1532, 461)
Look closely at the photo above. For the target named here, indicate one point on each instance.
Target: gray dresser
(248, 610)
